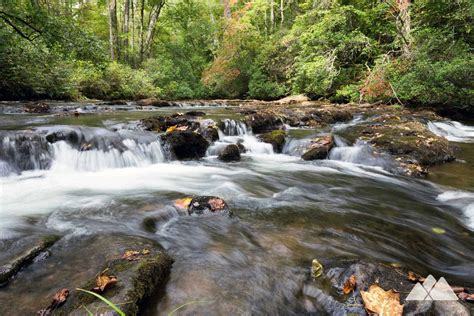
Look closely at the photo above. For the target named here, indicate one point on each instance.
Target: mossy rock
(275, 138)
(137, 280)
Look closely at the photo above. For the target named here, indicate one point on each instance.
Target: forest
(389, 51)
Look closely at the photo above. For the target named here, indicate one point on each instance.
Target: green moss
(276, 138)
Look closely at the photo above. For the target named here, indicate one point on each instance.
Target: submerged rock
(23, 253)
(184, 145)
(230, 153)
(202, 205)
(276, 138)
(319, 148)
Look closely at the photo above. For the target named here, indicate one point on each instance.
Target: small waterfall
(359, 153)
(236, 132)
(23, 150)
(341, 126)
(453, 131)
(77, 148)
(235, 128)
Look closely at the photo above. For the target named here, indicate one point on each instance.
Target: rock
(154, 102)
(319, 148)
(195, 113)
(263, 122)
(241, 146)
(326, 116)
(203, 205)
(137, 279)
(184, 145)
(37, 108)
(162, 123)
(276, 138)
(230, 153)
(210, 133)
(337, 273)
(25, 253)
(292, 99)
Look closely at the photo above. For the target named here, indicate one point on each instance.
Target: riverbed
(287, 212)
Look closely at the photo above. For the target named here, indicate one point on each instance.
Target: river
(286, 211)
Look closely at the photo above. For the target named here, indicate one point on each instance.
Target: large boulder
(210, 133)
(319, 148)
(202, 205)
(230, 153)
(275, 138)
(39, 107)
(183, 145)
(154, 102)
(263, 122)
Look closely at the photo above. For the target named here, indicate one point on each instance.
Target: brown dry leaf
(381, 302)
(350, 284)
(217, 204)
(466, 297)
(131, 255)
(182, 128)
(58, 299)
(183, 203)
(103, 282)
(413, 277)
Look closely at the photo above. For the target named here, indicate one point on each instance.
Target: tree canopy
(411, 52)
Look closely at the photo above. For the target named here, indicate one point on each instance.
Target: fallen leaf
(216, 204)
(171, 129)
(438, 230)
(381, 302)
(350, 284)
(103, 282)
(145, 252)
(316, 268)
(181, 128)
(183, 203)
(466, 297)
(131, 255)
(458, 289)
(413, 277)
(58, 299)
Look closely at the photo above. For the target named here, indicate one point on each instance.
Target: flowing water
(104, 176)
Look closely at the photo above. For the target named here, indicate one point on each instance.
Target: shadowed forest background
(410, 52)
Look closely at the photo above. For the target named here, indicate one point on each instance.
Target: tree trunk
(142, 27)
(226, 9)
(404, 25)
(114, 52)
(154, 14)
(126, 24)
(282, 16)
(272, 14)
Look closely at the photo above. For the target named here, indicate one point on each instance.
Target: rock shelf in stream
(138, 277)
(336, 273)
(25, 251)
(202, 205)
(183, 145)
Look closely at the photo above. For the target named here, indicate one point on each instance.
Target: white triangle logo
(432, 291)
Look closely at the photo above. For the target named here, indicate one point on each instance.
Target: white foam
(453, 131)
(462, 200)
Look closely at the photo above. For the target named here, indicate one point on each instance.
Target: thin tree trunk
(282, 16)
(226, 9)
(142, 27)
(272, 14)
(114, 52)
(126, 22)
(404, 25)
(154, 14)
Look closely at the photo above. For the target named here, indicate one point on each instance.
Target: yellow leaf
(104, 281)
(438, 230)
(183, 203)
(316, 268)
(171, 129)
(381, 302)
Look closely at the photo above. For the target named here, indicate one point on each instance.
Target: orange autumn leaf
(381, 302)
(350, 284)
(103, 282)
(216, 204)
(183, 203)
(131, 255)
(171, 129)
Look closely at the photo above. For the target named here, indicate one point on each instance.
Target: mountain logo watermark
(432, 290)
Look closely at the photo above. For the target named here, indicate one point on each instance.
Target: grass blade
(112, 305)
